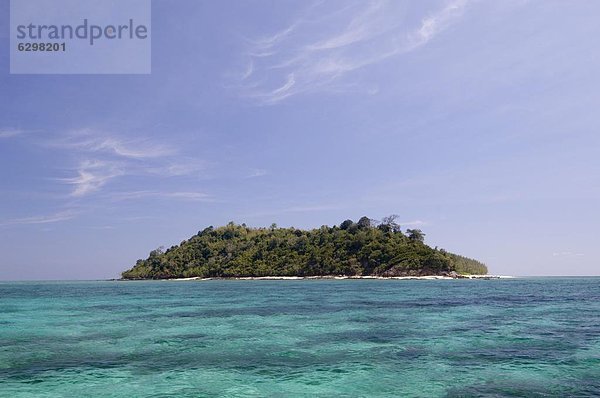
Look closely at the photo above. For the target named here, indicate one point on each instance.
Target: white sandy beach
(341, 277)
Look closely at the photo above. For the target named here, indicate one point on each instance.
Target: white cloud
(257, 173)
(298, 60)
(413, 223)
(266, 43)
(92, 175)
(133, 150)
(107, 157)
(46, 219)
(181, 195)
(193, 196)
(9, 133)
(173, 167)
(92, 141)
(567, 254)
(436, 23)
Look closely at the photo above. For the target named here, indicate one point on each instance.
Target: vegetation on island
(366, 247)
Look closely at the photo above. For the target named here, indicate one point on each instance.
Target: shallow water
(311, 338)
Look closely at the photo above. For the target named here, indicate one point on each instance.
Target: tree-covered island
(363, 248)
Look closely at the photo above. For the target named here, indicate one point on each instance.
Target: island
(366, 248)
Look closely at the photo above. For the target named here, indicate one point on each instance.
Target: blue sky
(476, 121)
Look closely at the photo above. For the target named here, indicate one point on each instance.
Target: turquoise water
(360, 338)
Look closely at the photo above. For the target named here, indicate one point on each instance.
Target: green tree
(415, 235)
(346, 224)
(354, 249)
(364, 223)
(389, 224)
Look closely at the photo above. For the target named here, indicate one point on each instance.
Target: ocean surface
(310, 338)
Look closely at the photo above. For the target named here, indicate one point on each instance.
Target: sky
(475, 121)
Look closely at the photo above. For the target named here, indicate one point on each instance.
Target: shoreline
(330, 277)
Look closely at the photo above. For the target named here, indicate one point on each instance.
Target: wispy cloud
(193, 196)
(182, 195)
(92, 141)
(173, 167)
(414, 223)
(96, 163)
(45, 219)
(9, 133)
(104, 157)
(92, 175)
(257, 173)
(436, 23)
(101, 227)
(317, 51)
(567, 254)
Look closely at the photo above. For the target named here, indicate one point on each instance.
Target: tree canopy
(362, 248)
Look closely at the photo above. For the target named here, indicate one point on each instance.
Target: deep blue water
(317, 338)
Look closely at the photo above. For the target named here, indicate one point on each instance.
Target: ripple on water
(525, 337)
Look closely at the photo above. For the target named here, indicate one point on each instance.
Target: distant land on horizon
(362, 248)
